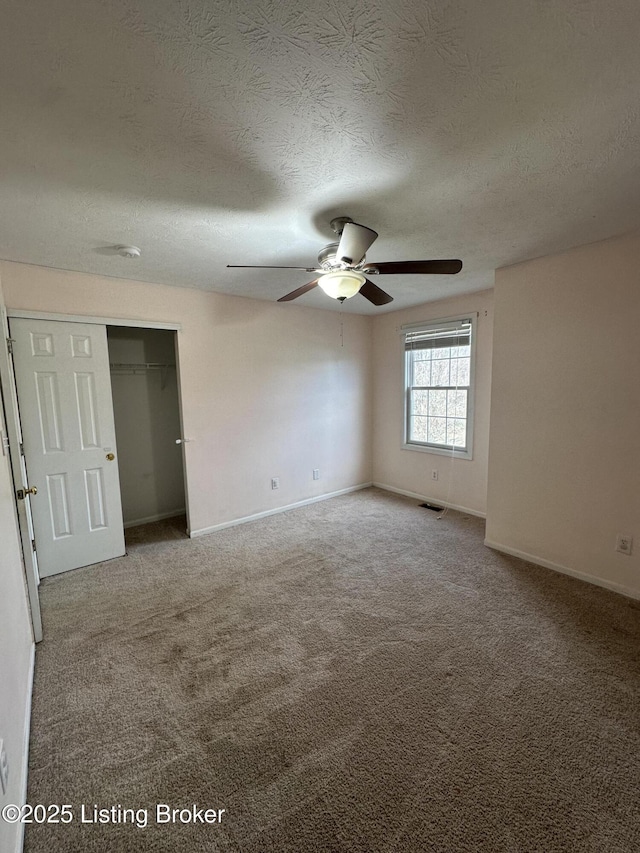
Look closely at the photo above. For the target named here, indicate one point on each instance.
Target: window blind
(454, 334)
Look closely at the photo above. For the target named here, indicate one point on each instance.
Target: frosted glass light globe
(341, 284)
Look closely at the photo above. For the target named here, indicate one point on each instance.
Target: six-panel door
(66, 410)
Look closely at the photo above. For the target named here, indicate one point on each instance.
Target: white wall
(564, 465)
(268, 390)
(16, 650)
(461, 482)
(147, 420)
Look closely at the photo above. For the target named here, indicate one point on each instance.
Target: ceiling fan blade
(354, 242)
(441, 267)
(263, 267)
(295, 293)
(374, 294)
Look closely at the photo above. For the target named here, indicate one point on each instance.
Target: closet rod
(140, 367)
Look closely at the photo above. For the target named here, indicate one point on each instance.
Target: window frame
(424, 447)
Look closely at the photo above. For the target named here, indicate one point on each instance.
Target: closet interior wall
(147, 419)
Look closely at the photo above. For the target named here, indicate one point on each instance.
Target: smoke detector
(128, 251)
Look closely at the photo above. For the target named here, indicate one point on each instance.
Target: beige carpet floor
(355, 675)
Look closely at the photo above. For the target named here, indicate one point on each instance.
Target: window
(438, 382)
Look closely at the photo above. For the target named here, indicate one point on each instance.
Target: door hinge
(10, 343)
(33, 544)
(21, 449)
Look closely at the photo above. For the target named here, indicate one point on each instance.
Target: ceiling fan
(343, 267)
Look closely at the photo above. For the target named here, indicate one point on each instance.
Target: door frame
(26, 314)
(13, 418)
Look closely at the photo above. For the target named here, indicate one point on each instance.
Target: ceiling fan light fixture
(341, 284)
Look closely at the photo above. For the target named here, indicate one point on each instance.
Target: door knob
(22, 493)
(110, 457)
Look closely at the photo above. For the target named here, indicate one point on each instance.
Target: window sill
(439, 451)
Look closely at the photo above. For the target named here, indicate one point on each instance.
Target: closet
(147, 421)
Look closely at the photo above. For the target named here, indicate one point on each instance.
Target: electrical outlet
(316, 473)
(4, 768)
(434, 474)
(624, 543)
(275, 482)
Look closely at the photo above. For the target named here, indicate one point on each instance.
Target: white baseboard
(25, 746)
(563, 570)
(205, 530)
(137, 521)
(426, 499)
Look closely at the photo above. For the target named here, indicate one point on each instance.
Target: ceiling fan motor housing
(327, 257)
(328, 260)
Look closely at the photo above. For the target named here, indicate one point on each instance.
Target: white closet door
(64, 394)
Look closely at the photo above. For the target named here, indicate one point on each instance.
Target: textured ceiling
(232, 131)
